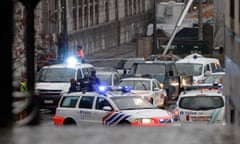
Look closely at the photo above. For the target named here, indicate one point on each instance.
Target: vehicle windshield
(55, 75)
(155, 69)
(193, 69)
(201, 102)
(106, 79)
(136, 84)
(132, 103)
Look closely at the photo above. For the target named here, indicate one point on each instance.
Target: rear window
(157, 69)
(69, 101)
(201, 102)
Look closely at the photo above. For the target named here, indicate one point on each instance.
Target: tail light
(187, 117)
(176, 115)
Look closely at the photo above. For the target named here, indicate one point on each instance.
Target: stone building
(61, 25)
(232, 57)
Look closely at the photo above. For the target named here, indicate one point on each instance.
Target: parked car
(120, 109)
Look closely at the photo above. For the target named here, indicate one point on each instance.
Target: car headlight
(161, 85)
(174, 83)
(144, 120)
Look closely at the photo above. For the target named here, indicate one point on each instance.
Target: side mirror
(107, 108)
(156, 89)
(207, 73)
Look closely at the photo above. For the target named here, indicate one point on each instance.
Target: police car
(148, 88)
(201, 105)
(109, 109)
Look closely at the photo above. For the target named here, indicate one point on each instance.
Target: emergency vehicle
(201, 105)
(109, 108)
(198, 67)
(53, 80)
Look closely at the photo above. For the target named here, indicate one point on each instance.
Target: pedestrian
(74, 87)
(94, 81)
(85, 83)
(80, 54)
(23, 85)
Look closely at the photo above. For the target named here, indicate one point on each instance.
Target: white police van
(200, 105)
(53, 80)
(199, 67)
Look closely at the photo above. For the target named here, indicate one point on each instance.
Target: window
(86, 102)
(91, 13)
(74, 14)
(85, 13)
(206, 68)
(106, 12)
(96, 12)
(69, 102)
(101, 102)
(232, 9)
(80, 14)
(126, 8)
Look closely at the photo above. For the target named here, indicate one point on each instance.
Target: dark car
(164, 71)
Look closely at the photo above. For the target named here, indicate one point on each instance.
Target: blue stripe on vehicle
(111, 117)
(116, 118)
(120, 119)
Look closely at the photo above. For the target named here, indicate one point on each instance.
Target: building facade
(94, 24)
(232, 57)
(61, 25)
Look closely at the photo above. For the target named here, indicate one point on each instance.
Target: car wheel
(69, 122)
(124, 123)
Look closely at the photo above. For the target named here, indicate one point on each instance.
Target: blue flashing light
(125, 89)
(195, 56)
(101, 90)
(104, 89)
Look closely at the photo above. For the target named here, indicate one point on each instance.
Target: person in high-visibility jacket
(81, 54)
(23, 85)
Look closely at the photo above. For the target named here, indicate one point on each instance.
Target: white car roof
(200, 60)
(78, 65)
(202, 91)
(138, 78)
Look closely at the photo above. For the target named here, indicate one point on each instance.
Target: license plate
(48, 101)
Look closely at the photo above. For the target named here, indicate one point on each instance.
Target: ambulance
(199, 67)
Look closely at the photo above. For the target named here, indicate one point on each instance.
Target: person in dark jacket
(74, 87)
(94, 81)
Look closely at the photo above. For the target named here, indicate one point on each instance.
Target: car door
(99, 113)
(86, 111)
(158, 98)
